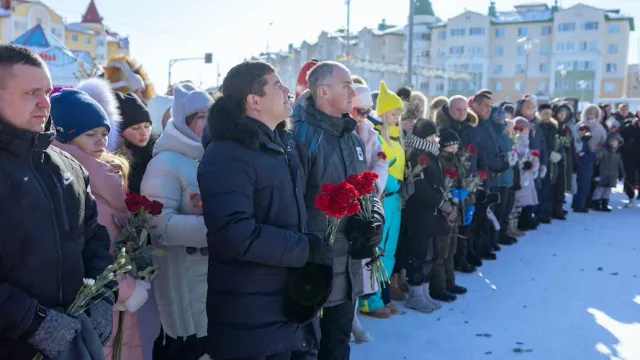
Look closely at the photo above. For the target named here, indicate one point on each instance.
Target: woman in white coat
(181, 280)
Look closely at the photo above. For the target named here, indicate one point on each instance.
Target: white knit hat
(363, 97)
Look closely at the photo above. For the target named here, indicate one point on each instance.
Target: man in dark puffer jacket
(51, 238)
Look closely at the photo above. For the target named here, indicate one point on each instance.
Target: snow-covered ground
(568, 291)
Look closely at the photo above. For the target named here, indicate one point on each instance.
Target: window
(442, 34)
(498, 51)
(545, 30)
(519, 68)
(425, 53)
(476, 31)
(477, 68)
(609, 86)
(426, 36)
(562, 85)
(611, 68)
(586, 65)
(523, 31)
(439, 87)
(542, 87)
(565, 27)
(564, 65)
(588, 46)
(564, 46)
(87, 40)
(74, 37)
(499, 32)
(456, 50)
(518, 86)
(584, 84)
(590, 25)
(521, 50)
(100, 57)
(612, 48)
(476, 50)
(497, 86)
(457, 32)
(613, 28)
(544, 48)
(442, 52)
(544, 67)
(100, 42)
(497, 69)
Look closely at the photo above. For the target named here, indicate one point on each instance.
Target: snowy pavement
(568, 291)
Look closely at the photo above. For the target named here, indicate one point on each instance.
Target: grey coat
(610, 167)
(329, 151)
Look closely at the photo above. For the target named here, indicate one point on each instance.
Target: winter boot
(395, 293)
(427, 296)
(393, 308)
(605, 205)
(596, 205)
(402, 281)
(381, 313)
(444, 296)
(417, 301)
(465, 267)
(473, 259)
(513, 230)
(505, 239)
(358, 333)
(457, 290)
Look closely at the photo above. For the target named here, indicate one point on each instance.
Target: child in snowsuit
(527, 171)
(593, 136)
(608, 171)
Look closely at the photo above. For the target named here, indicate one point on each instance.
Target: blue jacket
(256, 220)
(488, 151)
(504, 179)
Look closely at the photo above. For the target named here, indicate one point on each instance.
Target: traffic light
(208, 58)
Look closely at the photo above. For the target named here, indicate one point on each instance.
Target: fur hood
(100, 91)
(416, 107)
(223, 124)
(444, 120)
(583, 114)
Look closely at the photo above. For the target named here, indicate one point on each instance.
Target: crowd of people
(243, 268)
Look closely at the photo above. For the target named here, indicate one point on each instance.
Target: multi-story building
(375, 54)
(579, 52)
(33, 24)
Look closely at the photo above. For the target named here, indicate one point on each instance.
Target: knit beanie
(132, 109)
(363, 97)
(301, 82)
(387, 100)
(448, 137)
(424, 128)
(73, 113)
(187, 100)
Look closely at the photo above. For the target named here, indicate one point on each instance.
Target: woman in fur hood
(414, 109)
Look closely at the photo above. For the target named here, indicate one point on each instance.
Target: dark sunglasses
(363, 112)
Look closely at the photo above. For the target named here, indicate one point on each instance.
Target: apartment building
(579, 52)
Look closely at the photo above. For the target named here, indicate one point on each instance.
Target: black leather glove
(504, 163)
(319, 251)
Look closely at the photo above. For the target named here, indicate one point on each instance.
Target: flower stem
(117, 342)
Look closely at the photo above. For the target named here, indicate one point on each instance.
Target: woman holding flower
(181, 271)
(389, 108)
(527, 171)
(84, 131)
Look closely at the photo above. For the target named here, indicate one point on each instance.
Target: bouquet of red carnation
(135, 237)
(336, 201)
(450, 176)
(364, 183)
(474, 182)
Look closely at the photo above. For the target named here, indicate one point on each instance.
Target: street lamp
(528, 44)
(412, 10)
(208, 59)
(582, 84)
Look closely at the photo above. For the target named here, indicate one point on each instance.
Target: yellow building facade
(89, 37)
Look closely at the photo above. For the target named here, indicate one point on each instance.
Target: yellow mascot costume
(126, 75)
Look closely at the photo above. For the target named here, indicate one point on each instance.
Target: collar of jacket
(21, 143)
(336, 126)
(267, 138)
(414, 142)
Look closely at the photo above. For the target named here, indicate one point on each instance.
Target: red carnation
(518, 128)
(382, 155)
(470, 148)
(335, 200)
(155, 208)
(363, 182)
(483, 175)
(535, 153)
(567, 131)
(135, 202)
(584, 128)
(423, 160)
(451, 173)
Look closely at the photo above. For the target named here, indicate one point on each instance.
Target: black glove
(504, 163)
(585, 138)
(319, 251)
(101, 316)
(54, 334)
(528, 165)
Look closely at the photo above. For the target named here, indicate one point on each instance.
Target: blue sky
(161, 30)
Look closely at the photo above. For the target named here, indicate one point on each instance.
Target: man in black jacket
(51, 238)
(259, 240)
(329, 151)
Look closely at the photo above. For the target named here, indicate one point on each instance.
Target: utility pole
(348, 43)
(412, 10)
(268, 40)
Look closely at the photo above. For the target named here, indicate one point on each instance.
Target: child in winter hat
(74, 112)
(448, 140)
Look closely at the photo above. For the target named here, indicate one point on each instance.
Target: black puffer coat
(50, 236)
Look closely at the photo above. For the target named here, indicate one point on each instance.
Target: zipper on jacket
(43, 188)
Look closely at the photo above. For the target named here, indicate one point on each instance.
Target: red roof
(92, 15)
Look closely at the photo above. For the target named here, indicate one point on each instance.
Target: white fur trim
(100, 91)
